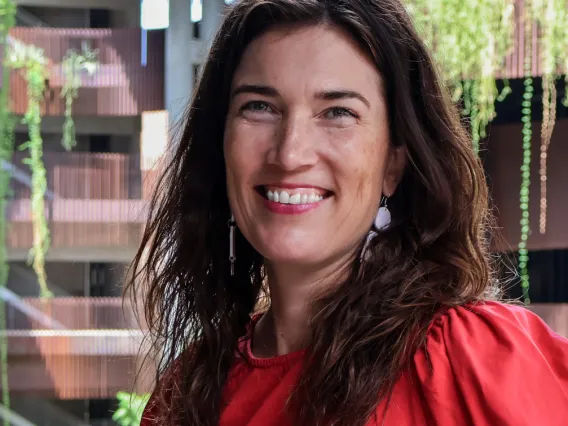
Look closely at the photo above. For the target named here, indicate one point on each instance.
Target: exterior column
(213, 11)
(178, 84)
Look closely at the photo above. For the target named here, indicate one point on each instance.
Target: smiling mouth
(293, 195)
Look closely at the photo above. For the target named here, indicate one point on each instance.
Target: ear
(396, 164)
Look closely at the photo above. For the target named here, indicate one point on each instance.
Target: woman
(320, 134)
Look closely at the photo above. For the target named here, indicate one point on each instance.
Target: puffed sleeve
(493, 364)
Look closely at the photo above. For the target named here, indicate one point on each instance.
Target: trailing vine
(7, 19)
(526, 164)
(31, 60)
(75, 65)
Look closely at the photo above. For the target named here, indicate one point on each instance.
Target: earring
(232, 225)
(383, 219)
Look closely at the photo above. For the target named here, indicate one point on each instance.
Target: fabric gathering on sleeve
(492, 364)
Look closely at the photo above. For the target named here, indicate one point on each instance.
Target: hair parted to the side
(433, 256)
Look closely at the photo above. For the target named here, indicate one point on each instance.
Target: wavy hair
(434, 255)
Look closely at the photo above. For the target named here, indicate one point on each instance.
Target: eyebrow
(256, 89)
(330, 95)
(334, 95)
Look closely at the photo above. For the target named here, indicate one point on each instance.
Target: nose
(294, 145)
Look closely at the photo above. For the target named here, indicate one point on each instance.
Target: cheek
(244, 152)
(360, 159)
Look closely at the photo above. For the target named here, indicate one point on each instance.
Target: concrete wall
(90, 4)
(91, 125)
(61, 17)
(66, 278)
(120, 144)
(75, 13)
(184, 52)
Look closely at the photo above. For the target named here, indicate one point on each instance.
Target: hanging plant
(75, 65)
(469, 41)
(7, 20)
(31, 60)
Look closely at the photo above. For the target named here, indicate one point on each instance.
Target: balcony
(93, 201)
(120, 87)
(72, 347)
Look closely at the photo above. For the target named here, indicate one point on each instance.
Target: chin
(292, 252)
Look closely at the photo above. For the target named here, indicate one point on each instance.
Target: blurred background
(91, 91)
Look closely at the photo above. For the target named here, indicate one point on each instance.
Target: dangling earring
(383, 219)
(232, 225)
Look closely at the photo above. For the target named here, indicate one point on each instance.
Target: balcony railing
(93, 200)
(85, 175)
(71, 313)
(72, 326)
(72, 347)
(120, 87)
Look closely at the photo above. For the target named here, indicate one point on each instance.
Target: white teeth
(284, 197)
(295, 199)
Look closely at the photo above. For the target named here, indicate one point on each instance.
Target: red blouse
(490, 364)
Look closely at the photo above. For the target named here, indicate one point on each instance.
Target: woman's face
(307, 145)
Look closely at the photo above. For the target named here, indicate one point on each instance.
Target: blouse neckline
(281, 360)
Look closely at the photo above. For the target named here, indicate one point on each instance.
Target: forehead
(313, 56)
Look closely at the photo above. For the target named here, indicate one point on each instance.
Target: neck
(284, 328)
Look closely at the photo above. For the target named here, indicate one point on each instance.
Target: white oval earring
(383, 218)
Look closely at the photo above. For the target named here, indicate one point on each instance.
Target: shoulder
(499, 363)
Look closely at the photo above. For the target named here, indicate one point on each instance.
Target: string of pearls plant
(526, 161)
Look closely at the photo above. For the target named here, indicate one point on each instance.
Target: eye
(339, 112)
(257, 106)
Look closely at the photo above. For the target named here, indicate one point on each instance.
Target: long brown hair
(433, 256)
